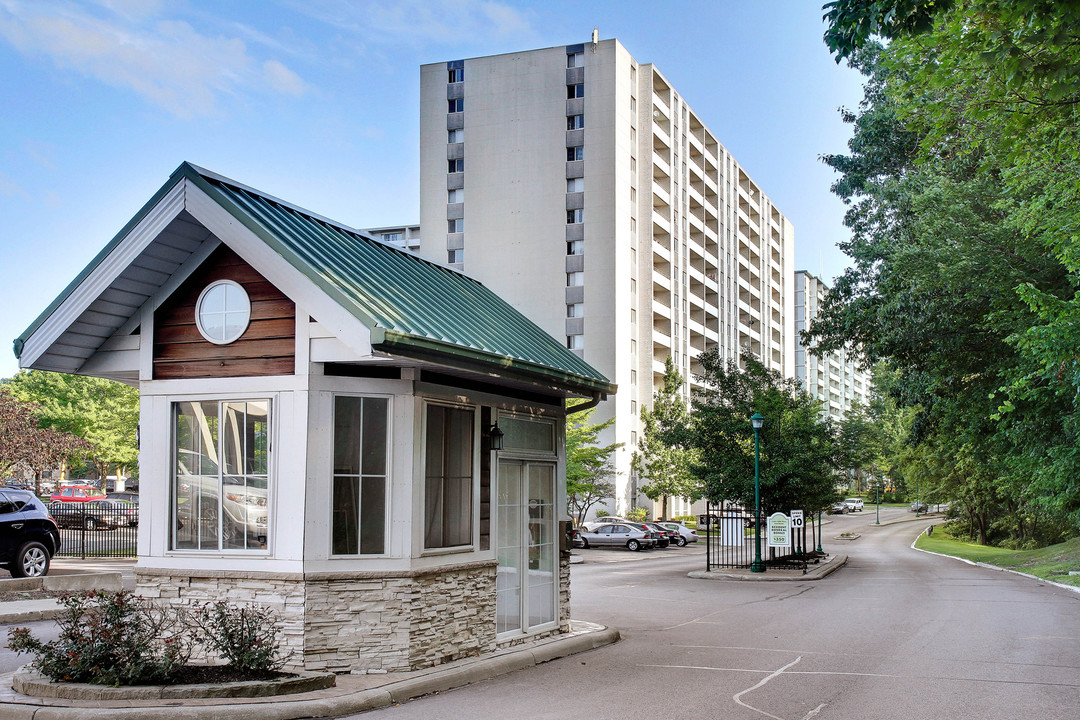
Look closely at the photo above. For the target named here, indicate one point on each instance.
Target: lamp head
(757, 421)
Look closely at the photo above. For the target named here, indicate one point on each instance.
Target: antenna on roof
(595, 37)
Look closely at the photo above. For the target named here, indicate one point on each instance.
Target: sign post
(797, 524)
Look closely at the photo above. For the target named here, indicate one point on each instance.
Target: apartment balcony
(661, 253)
(661, 310)
(661, 222)
(661, 280)
(661, 339)
(695, 142)
(661, 138)
(660, 104)
(661, 197)
(695, 195)
(660, 163)
(659, 367)
(695, 222)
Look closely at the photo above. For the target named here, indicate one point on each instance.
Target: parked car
(130, 497)
(917, 507)
(838, 509)
(77, 493)
(628, 535)
(658, 529)
(685, 534)
(81, 516)
(603, 520)
(119, 512)
(28, 536)
(854, 504)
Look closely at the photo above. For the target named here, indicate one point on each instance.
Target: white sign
(796, 519)
(779, 530)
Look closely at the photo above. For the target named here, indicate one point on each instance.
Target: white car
(853, 504)
(686, 535)
(597, 522)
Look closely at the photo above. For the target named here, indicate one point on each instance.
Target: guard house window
(575, 122)
(577, 152)
(221, 475)
(455, 106)
(455, 226)
(456, 75)
(577, 90)
(448, 481)
(222, 312)
(360, 475)
(575, 216)
(576, 59)
(456, 165)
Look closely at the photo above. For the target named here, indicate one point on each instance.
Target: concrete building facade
(578, 184)
(836, 379)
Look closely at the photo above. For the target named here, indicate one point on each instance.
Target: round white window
(222, 312)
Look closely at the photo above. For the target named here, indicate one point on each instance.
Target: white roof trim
(99, 280)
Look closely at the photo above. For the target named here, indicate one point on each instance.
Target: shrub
(109, 638)
(637, 514)
(246, 636)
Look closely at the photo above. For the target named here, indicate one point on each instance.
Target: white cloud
(166, 61)
(9, 187)
(418, 22)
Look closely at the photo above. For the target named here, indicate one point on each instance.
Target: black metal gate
(729, 541)
(96, 529)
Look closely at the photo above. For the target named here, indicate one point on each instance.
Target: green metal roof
(415, 308)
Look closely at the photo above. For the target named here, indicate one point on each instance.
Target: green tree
(590, 468)
(102, 412)
(663, 455)
(800, 453)
(26, 445)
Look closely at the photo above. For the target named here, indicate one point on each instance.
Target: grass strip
(1049, 563)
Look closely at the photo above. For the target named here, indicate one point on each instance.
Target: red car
(77, 493)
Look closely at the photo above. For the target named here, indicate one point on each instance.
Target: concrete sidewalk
(354, 693)
(813, 572)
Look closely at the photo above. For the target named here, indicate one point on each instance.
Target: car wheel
(633, 545)
(32, 561)
(91, 524)
(681, 542)
(584, 544)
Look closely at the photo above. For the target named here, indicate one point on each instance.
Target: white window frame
(228, 339)
(388, 514)
(474, 543)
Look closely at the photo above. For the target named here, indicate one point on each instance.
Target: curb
(818, 573)
(437, 679)
(988, 566)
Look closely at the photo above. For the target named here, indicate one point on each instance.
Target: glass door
(525, 545)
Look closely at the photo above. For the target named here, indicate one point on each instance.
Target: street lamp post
(819, 532)
(917, 506)
(757, 566)
(877, 498)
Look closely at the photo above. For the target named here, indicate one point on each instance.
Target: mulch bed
(201, 674)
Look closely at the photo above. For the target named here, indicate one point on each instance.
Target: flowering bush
(109, 638)
(246, 636)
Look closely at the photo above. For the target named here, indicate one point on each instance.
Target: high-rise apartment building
(579, 185)
(836, 379)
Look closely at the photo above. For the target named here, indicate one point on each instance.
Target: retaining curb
(837, 562)
(291, 707)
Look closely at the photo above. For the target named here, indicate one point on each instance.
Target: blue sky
(316, 102)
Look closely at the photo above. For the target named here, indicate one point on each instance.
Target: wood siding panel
(265, 348)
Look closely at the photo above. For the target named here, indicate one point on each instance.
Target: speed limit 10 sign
(796, 518)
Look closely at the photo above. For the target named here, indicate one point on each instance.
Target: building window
(455, 226)
(575, 122)
(448, 477)
(633, 377)
(456, 75)
(633, 104)
(575, 310)
(575, 185)
(221, 475)
(575, 342)
(455, 256)
(456, 165)
(576, 59)
(361, 434)
(577, 152)
(455, 106)
(455, 136)
(575, 279)
(575, 216)
(633, 165)
(455, 196)
(222, 312)
(393, 238)
(577, 90)
(575, 247)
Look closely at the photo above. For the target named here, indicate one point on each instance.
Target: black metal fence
(96, 529)
(729, 541)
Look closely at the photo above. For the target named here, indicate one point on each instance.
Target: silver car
(686, 535)
(617, 535)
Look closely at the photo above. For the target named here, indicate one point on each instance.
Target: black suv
(28, 535)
